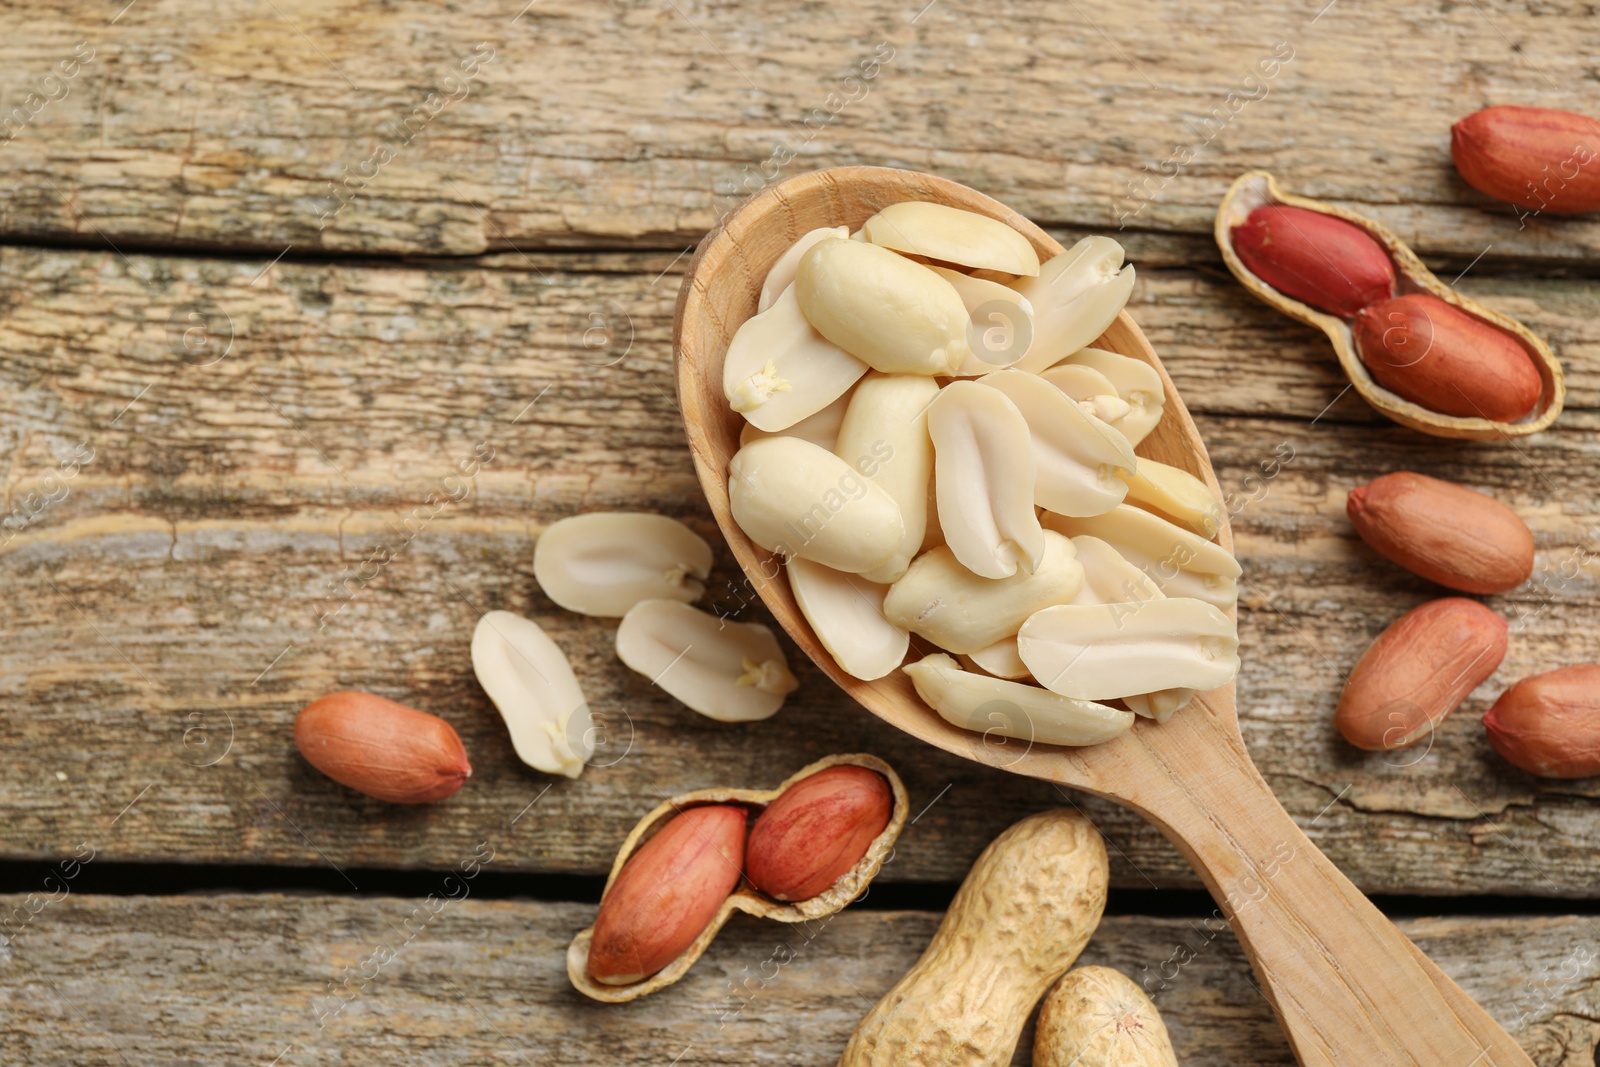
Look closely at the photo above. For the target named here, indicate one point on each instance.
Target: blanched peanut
(1102, 652)
(983, 475)
(892, 314)
(888, 414)
(1075, 297)
(1174, 493)
(951, 235)
(1161, 705)
(1108, 408)
(1010, 709)
(846, 612)
(1091, 389)
(934, 450)
(1136, 382)
(821, 428)
(1108, 578)
(1000, 659)
(1077, 459)
(946, 603)
(1001, 325)
(605, 562)
(1181, 563)
(1078, 381)
(796, 499)
(531, 683)
(781, 276)
(779, 370)
(730, 671)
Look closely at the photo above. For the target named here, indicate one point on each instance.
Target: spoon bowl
(1346, 985)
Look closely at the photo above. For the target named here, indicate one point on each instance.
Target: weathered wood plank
(172, 980)
(637, 122)
(193, 576)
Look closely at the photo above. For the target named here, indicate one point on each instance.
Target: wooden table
(274, 381)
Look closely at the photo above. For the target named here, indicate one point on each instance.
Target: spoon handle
(1347, 986)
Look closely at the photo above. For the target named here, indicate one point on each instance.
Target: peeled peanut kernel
(605, 562)
(1001, 326)
(1000, 659)
(1075, 297)
(846, 613)
(1183, 564)
(951, 235)
(1078, 461)
(1108, 578)
(946, 603)
(796, 499)
(1092, 390)
(1161, 705)
(1036, 451)
(892, 314)
(729, 671)
(1136, 382)
(779, 370)
(781, 276)
(984, 475)
(1079, 382)
(1175, 494)
(1108, 409)
(531, 683)
(821, 428)
(885, 436)
(1102, 652)
(1011, 709)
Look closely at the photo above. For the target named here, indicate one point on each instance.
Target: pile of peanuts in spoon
(932, 449)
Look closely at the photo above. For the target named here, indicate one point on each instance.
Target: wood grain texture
(230, 502)
(114, 980)
(637, 122)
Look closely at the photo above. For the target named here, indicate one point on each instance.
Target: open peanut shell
(745, 897)
(1257, 189)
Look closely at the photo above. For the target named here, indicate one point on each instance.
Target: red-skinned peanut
(667, 893)
(1439, 357)
(817, 830)
(1321, 260)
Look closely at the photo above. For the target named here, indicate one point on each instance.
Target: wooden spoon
(1348, 987)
